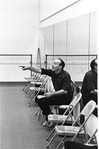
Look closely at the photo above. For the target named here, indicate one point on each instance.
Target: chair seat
(67, 130)
(28, 79)
(63, 106)
(59, 118)
(36, 83)
(37, 89)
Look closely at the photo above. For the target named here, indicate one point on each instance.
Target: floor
(19, 126)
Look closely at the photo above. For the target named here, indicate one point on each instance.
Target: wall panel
(60, 38)
(77, 66)
(10, 70)
(41, 45)
(78, 34)
(77, 43)
(53, 6)
(93, 33)
(48, 38)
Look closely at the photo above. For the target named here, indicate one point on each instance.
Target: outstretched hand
(23, 67)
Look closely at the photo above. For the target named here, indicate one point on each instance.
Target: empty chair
(78, 145)
(67, 118)
(72, 130)
(29, 79)
(91, 128)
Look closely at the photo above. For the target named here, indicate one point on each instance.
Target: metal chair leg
(51, 140)
(50, 134)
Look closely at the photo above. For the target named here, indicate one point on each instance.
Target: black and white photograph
(49, 74)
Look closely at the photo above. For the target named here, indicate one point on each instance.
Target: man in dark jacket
(62, 84)
(89, 86)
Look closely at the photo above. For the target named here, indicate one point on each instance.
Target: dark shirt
(60, 81)
(89, 84)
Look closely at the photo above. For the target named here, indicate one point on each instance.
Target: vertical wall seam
(44, 46)
(89, 41)
(53, 40)
(66, 40)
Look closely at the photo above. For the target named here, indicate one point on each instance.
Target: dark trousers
(77, 145)
(45, 103)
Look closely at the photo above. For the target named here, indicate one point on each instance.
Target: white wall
(77, 9)
(19, 24)
(71, 31)
(76, 36)
(53, 6)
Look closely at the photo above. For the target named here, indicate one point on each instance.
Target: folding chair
(36, 90)
(67, 118)
(56, 107)
(78, 145)
(91, 128)
(37, 86)
(35, 77)
(72, 130)
(30, 83)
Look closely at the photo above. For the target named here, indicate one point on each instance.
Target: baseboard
(12, 83)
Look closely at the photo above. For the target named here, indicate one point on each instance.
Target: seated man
(89, 87)
(62, 84)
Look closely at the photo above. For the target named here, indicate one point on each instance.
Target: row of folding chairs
(36, 84)
(88, 126)
(71, 115)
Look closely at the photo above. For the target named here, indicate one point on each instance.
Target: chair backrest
(73, 106)
(76, 103)
(88, 118)
(76, 99)
(91, 126)
(89, 108)
(76, 88)
(39, 84)
(86, 111)
(36, 76)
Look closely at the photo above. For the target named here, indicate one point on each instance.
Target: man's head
(93, 64)
(58, 65)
